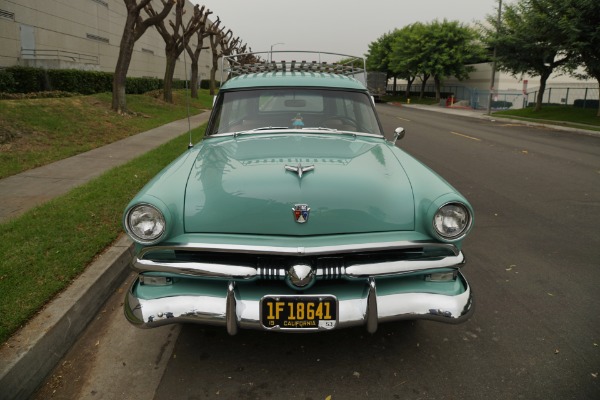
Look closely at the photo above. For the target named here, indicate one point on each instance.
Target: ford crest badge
(301, 212)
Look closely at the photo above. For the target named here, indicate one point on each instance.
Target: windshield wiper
(319, 128)
(264, 128)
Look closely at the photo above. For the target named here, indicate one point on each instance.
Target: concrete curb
(33, 352)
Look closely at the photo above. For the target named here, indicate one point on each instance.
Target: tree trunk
(194, 79)
(119, 100)
(213, 81)
(409, 86)
(168, 81)
(213, 74)
(540, 95)
(438, 88)
(423, 84)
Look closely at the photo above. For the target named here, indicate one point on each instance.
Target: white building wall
(82, 34)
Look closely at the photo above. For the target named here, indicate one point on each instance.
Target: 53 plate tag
(299, 312)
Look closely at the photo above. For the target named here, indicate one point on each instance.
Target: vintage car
(295, 214)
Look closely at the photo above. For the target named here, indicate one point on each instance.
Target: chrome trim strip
(389, 268)
(357, 311)
(217, 271)
(239, 272)
(301, 251)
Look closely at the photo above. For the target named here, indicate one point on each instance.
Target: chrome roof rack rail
(320, 62)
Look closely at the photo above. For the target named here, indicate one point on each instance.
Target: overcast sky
(338, 26)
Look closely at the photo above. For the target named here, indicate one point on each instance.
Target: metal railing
(57, 54)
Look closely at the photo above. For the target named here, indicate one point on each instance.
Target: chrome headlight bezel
(154, 215)
(460, 217)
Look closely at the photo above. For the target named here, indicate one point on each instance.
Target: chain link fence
(578, 94)
(581, 95)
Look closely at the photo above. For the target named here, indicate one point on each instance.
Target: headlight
(451, 221)
(145, 223)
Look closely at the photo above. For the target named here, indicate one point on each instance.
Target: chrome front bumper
(233, 310)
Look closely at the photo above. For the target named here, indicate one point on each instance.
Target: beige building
(83, 34)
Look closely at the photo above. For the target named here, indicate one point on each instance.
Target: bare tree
(245, 55)
(176, 40)
(217, 36)
(135, 27)
(201, 34)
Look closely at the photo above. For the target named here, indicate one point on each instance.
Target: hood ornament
(299, 169)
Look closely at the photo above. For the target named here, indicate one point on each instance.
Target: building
(509, 91)
(83, 34)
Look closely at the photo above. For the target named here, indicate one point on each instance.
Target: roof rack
(238, 64)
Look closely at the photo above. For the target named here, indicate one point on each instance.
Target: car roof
(295, 79)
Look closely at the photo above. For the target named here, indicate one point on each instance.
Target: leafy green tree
(579, 25)
(406, 59)
(378, 56)
(438, 50)
(528, 41)
(448, 48)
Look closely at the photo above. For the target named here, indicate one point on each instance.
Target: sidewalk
(31, 354)
(21, 192)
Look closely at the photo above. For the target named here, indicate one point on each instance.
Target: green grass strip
(583, 118)
(43, 250)
(36, 132)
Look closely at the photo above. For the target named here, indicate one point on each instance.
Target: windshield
(291, 108)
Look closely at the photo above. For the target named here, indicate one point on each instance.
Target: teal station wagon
(296, 214)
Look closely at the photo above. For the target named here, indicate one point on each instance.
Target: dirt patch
(8, 133)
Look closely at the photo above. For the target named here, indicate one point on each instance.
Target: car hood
(241, 185)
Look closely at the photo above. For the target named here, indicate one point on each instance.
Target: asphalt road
(533, 261)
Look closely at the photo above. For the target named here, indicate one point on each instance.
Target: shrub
(27, 79)
(142, 85)
(7, 81)
(501, 104)
(34, 80)
(205, 84)
(581, 103)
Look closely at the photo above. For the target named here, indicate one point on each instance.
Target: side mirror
(398, 134)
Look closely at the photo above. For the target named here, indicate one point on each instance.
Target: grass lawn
(37, 132)
(46, 248)
(559, 115)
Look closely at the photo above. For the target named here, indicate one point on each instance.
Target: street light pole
(271, 53)
(498, 22)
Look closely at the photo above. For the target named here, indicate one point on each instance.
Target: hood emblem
(299, 169)
(301, 212)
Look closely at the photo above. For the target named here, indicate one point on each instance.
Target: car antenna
(187, 99)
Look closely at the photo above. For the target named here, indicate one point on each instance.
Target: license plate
(299, 312)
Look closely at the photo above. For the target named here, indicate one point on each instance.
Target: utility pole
(498, 22)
